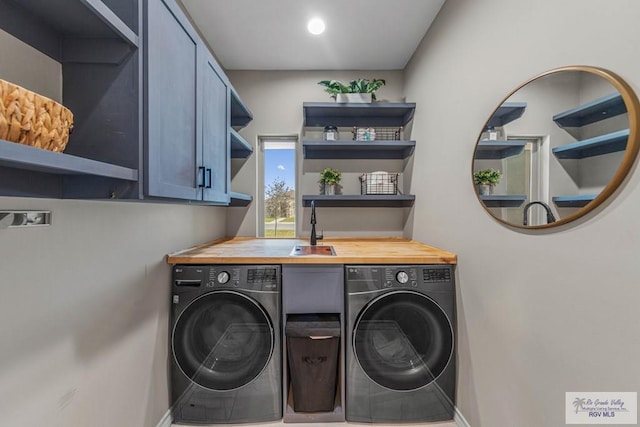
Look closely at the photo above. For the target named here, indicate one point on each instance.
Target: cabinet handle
(209, 175)
(201, 169)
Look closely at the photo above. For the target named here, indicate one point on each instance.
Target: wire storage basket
(377, 134)
(379, 183)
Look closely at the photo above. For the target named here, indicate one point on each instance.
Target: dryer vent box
(313, 342)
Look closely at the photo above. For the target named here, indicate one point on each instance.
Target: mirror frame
(633, 143)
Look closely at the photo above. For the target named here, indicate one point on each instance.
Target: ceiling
(272, 34)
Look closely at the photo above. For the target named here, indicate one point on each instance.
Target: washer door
(403, 340)
(223, 340)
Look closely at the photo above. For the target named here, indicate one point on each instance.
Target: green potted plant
(329, 179)
(486, 179)
(360, 90)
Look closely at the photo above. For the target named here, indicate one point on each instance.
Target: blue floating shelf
(50, 25)
(503, 201)
(240, 199)
(240, 114)
(321, 149)
(591, 112)
(499, 149)
(506, 113)
(573, 201)
(240, 148)
(604, 144)
(30, 158)
(360, 201)
(381, 114)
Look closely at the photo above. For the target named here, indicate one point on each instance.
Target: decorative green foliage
(487, 177)
(335, 87)
(330, 176)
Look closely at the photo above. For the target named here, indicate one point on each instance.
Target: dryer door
(403, 340)
(223, 340)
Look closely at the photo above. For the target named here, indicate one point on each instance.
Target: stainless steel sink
(299, 250)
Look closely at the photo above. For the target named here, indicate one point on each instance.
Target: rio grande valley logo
(601, 408)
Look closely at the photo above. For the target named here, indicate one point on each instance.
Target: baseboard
(459, 419)
(166, 420)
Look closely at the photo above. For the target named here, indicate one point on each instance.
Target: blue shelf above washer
(488, 149)
(360, 201)
(240, 113)
(506, 113)
(381, 114)
(320, 149)
(603, 144)
(239, 199)
(573, 201)
(240, 148)
(503, 201)
(591, 112)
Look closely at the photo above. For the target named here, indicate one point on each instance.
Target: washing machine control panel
(400, 277)
(227, 277)
(259, 278)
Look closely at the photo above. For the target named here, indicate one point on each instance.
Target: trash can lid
(312, 325)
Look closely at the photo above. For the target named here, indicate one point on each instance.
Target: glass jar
(330, 133)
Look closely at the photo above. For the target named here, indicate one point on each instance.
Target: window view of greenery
(279, 190)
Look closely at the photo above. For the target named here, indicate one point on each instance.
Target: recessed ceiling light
(316, 26)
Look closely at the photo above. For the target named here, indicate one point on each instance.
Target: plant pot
(329, 189)
(485, 189)
(356, 98)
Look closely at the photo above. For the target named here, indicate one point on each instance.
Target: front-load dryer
(401, 359)
(225, 344)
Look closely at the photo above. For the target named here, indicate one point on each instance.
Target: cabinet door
(172, 151)
(215, 133)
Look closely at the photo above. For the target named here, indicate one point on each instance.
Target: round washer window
(223, 340)
(403, 340)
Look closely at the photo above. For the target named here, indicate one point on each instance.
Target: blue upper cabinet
(173, 133)
(216, 157)
(69, 30)
(158, 112)
(189, 110)
(97, 42)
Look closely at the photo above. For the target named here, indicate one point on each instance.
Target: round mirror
(556, 147)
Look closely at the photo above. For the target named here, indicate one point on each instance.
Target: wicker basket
(31, 119)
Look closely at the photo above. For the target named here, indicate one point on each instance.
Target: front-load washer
(225, 344)
(400, 361)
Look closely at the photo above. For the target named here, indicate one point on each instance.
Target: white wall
(84, 308)
(275, 98)
(540, 313)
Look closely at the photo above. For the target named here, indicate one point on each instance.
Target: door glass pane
(223, 340)
(403, 341)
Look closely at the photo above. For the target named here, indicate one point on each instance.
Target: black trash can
(313, 342)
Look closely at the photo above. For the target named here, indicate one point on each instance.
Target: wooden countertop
(247, 250)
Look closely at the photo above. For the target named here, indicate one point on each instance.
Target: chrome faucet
(314, 237)
(550, 217)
